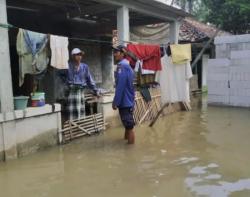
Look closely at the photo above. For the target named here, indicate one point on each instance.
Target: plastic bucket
(37, 103)
(20, 102)
(38, 99)
(38, 96)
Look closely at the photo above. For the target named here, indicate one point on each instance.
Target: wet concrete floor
(200, 153)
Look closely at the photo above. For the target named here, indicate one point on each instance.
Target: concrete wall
(239, 77)
(226, 44)
(229, 73)
(107, 68)
(93, 59)
(27, 131)
(1, 143)
(111, 116)
(218, 72)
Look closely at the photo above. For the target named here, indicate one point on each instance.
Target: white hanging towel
(59, 52)
(183, 73)
(167, 81)
(174, 81)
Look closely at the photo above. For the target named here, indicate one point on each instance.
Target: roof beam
(97, 9)
(165, 12)
(160, 5)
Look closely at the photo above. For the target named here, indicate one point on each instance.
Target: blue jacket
(124, 93)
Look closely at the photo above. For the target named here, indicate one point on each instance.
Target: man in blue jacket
(124, 94)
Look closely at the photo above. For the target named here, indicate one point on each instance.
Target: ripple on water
(197, 183)
(185, 160)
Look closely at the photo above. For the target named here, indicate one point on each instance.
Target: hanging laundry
(166, 79)
(149, 54)
(174, 81)
(139, 66)
(183, 73)
(59, 52)
(181, 53)
(33, 53)
(143, 76)
(145, 79)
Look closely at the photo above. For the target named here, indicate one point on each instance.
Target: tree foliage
(184, 4)
(230, 15)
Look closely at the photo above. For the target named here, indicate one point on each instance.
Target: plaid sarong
(76, 103)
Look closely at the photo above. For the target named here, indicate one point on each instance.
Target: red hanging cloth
(149, 54)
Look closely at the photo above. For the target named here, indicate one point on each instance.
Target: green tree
(230, 15)
(184, 4)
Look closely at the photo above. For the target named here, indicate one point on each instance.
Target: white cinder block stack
(240, 78)
(229, 74)
(218, 76)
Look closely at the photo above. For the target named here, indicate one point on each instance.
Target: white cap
(76, 51)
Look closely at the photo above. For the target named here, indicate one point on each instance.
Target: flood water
(200, 153)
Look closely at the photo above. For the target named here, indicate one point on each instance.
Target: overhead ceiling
(85, 17)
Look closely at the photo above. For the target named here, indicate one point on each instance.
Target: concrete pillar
(123, 24)
(1, 143)
(204, 71)
(174, 31)
(10, 141)
(6, 92)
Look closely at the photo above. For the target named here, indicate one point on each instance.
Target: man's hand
(114, 107)
(98, 95)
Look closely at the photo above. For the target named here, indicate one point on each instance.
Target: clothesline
(9, 26)
(174, 81)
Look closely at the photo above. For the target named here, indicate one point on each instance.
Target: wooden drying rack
(85, 126)
(151, 111)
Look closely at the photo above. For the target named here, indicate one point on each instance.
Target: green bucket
(20, 102)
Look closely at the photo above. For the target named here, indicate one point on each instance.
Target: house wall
(107, 68)
(111, 116)
(1, 141)
(27, 131)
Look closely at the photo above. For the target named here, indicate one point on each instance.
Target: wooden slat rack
(85, 126)
(146, 111)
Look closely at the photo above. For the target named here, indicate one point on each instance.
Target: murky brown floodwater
(201, 153)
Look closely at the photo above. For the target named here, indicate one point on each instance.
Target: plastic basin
(20, 102)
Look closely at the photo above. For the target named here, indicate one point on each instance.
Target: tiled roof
(193, 30)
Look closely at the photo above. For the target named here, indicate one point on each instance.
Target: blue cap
(119, 48)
